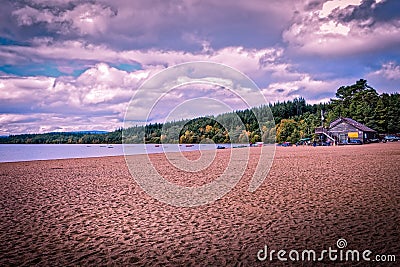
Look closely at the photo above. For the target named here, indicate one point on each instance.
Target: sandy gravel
(91, 211)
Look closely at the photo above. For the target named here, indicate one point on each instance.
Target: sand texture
(92, 212)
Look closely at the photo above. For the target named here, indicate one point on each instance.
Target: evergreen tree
(379, 122)
(393, 114)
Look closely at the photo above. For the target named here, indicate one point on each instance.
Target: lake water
(27, 152)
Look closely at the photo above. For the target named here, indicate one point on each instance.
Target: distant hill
(88, 132)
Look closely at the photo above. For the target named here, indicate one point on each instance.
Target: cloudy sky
(75, 65)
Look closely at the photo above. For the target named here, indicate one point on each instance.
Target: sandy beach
(92, 212)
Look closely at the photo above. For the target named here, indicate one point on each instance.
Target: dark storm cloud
(176, 25)
(186, 24)
(26, 20)
(382, 12)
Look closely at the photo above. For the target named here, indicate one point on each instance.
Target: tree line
(359, 101)
(278, 122)
(65, 138)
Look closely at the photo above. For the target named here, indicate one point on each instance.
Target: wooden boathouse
(346, 131)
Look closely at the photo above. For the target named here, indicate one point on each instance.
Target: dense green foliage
(291, 121)
(235, 127)
(363, 104)
(359, 101)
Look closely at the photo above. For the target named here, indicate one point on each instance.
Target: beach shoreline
(92, 212)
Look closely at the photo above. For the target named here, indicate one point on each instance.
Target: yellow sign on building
(352, 134)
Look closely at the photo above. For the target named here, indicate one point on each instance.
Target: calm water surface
(26, 152)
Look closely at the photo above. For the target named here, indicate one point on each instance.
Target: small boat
(240, 146)
(189, 145)
(259, 144)
(221, 147)
(157, 145)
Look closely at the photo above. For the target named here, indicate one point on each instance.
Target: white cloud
(386, 78)
(389, 70)
(330, 6)
(334, 28)
(250, 61)
(54, 122)
(312, 89)
(101, 84)
(23, 89)
(97, 99)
